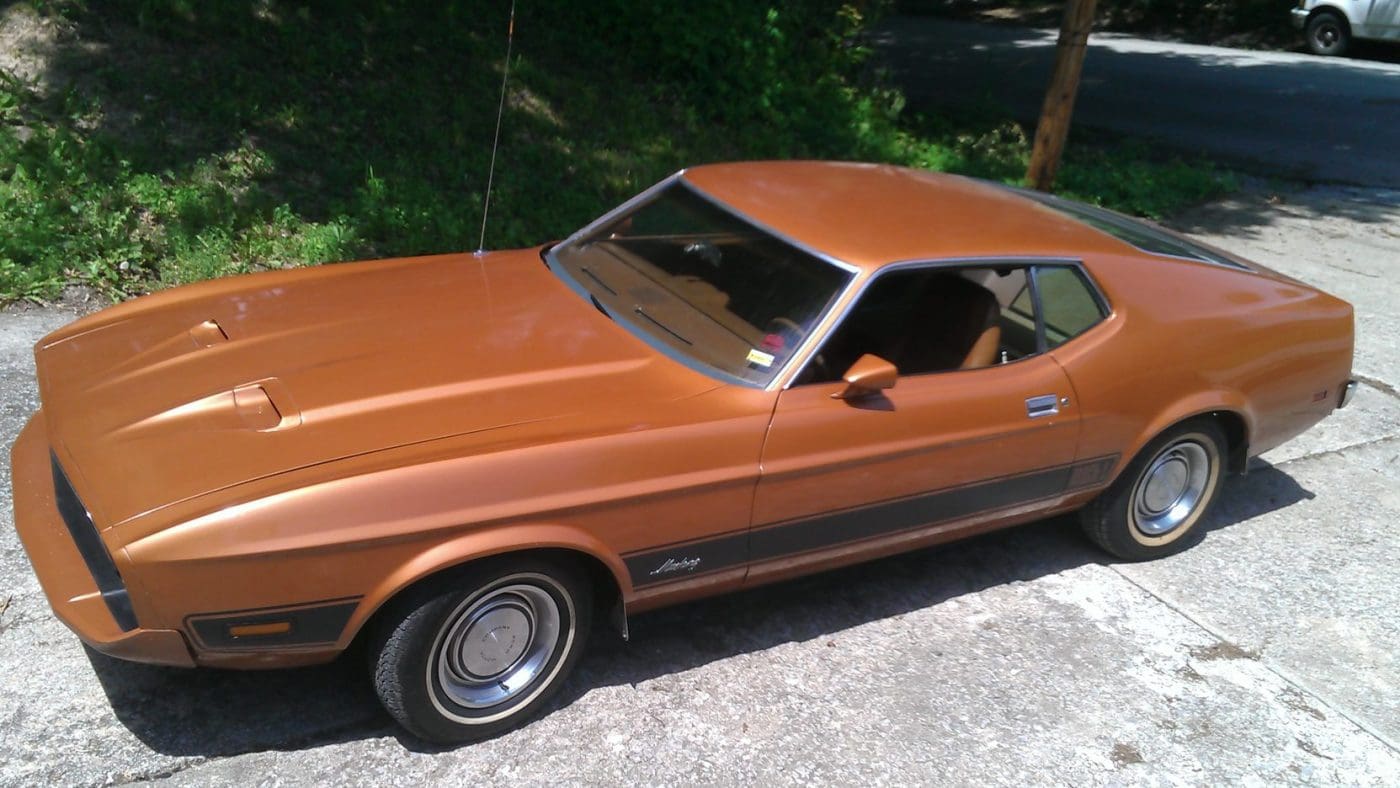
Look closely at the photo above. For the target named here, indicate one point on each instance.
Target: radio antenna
(495, 143)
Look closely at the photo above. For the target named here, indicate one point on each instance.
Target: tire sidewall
(1316, 24)
(1116, 530)
(464, 715)
(1187, 529)
(405, 664)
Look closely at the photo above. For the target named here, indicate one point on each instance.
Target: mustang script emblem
(673, 565)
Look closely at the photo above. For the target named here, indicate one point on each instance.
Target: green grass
(207, 139)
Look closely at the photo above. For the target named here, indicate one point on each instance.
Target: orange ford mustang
(746, 373)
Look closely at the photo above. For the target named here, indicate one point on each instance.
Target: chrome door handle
(1044, 405)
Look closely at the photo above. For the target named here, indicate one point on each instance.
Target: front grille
(94, 553)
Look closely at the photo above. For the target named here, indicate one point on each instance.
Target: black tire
(432, 654)
(1328, 34)
(1142, 516)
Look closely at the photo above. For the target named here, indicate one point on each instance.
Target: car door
(943, 450)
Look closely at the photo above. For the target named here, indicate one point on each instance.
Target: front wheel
(1327, 34)
(477, 655)
(1154, 507)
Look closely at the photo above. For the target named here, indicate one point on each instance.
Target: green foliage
(787, 74)
(1132, 178)
(72, 209)
(209, 138)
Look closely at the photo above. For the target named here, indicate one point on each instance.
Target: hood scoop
(208, 334)
(147, 353)
(258, 411)
(263, 406)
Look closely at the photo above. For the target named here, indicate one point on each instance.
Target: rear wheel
(470, 658)
(1328, 34)
(1154, 507)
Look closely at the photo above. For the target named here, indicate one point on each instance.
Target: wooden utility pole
(1059, 97)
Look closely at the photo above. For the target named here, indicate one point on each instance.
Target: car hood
(200, 388)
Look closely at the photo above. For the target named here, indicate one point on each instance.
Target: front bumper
(1300, 18)
(1348, 391)
(69, 585)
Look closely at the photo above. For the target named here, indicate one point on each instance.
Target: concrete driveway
(1325, 119)
(1267, 654)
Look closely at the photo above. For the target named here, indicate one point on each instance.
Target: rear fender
(1197, 404)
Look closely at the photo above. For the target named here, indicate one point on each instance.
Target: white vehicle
(1330, 25)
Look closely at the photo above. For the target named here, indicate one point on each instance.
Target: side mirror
(869, 375)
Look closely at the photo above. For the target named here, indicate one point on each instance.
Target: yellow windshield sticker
(760, 358)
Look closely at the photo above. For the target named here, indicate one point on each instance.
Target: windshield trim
(778, 379)
(624, 207)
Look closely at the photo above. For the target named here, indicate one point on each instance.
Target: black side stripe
(714, 554)
(683, 561)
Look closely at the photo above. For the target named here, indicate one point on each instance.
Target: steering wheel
(705, 251)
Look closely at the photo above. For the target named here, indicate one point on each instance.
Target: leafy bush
(788, 74)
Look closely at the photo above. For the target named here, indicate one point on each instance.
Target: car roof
(870, 215)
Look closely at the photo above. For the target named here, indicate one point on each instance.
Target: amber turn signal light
(255, 630)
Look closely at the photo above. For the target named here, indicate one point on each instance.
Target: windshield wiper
(661, 325)
(595, 278)
(600, 306)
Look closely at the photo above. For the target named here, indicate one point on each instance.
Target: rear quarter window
(1130, 231)
(1068, 306)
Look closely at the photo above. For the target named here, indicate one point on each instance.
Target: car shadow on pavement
(220, 713)
(677, 639)
(225, 712)
(1245, 214)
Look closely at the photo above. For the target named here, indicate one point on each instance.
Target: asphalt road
(1323, 119)
(1265, 655)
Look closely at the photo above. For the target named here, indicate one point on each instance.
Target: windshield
(702, 284)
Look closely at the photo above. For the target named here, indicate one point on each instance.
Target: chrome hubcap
(495, 645)
(491, 643)
(1171, 488)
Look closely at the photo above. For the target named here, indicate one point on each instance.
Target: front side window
(933, 319)
(702, 284)
(938, 319)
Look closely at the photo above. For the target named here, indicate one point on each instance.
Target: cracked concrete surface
(1267, 654)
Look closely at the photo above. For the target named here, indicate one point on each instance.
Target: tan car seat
(956, 327)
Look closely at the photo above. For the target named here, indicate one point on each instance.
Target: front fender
(476, 545)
